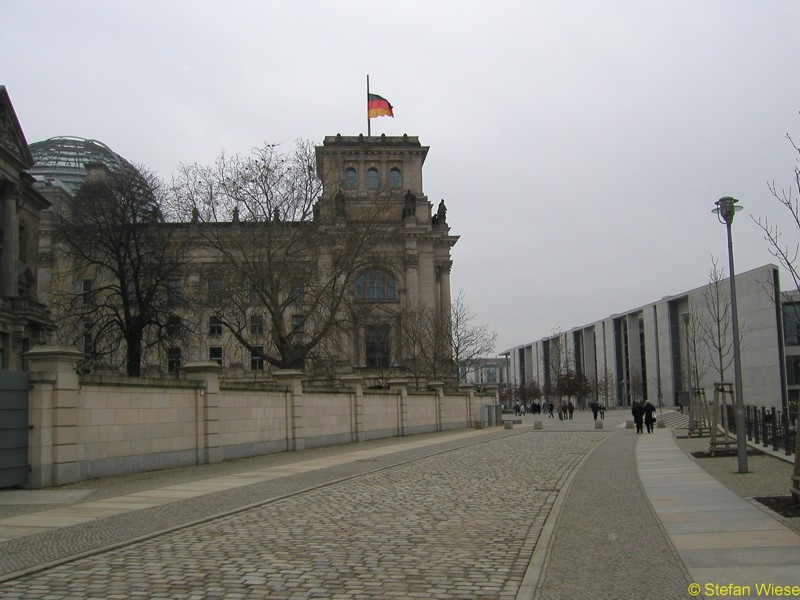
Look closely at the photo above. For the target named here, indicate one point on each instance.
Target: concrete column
(209, 450)
(8, 254)
(293, 380)
(54, 448)
(355, 384)
(399, 386)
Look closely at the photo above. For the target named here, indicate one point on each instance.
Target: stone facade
(373, 182)
(23, 320)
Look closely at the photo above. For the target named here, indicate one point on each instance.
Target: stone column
(443, 273)
(399, 386)
(8, 254)
(209, 450)
(411, 261)
(293, 380)
(355, 384)
(54, 446)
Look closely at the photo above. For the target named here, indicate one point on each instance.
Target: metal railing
(768, 427)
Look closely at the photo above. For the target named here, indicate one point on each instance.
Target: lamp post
(725, 211)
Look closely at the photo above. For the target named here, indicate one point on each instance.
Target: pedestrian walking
(649, 416)
(637, 410)
(570, 408)
(560, 410)
(595, 409)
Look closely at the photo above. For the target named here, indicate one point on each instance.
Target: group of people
(643, 415)
(598, 409)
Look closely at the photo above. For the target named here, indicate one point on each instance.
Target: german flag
(377, 106)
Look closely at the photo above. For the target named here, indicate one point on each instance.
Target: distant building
(23, 319)
(661, 351)
(485, 371)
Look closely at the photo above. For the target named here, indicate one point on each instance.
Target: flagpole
(369, 130)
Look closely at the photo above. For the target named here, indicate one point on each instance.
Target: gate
(14, 467)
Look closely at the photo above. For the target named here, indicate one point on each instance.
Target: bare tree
(114, 298)
(788, 255)
(471, 341)
(269, 255)
(606, 386)
(711, 328)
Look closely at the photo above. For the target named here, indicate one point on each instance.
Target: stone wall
(100, 426)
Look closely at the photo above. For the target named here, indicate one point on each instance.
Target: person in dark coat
(649, 416)
(637, 410)
(595, 409)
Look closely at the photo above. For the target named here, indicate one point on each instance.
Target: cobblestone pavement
(464, 517)
(456, 524)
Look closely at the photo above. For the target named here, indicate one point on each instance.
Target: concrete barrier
(629, 424)
(508, 425)
(538, 424)
(598, 424)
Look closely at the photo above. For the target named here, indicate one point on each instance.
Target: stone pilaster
(54, 451)
(207, 373)
(8, 254)
(293, 380)
(399, 386)
(438, 387)
(355, 384)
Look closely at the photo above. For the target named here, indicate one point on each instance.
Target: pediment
(13, 146)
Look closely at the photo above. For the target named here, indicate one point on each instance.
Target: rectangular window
(256, 324)
(214, 326)
(88, 345)
(174, 326)
(793, 370)
(257, 359)
(215, 354)
(87, 297)
(173, 292)
(376, 342)
(132, 292)
(298, 323)
(298, 292)
(254, 294)
(791, 324)
(173, 360)
(215, 291)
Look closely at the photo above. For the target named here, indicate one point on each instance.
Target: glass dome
(62, 160)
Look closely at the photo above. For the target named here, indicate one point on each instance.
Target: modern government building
(664, 350)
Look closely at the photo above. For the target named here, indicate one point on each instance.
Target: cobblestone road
(460, 524)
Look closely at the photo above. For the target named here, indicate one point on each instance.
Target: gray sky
(579, 145)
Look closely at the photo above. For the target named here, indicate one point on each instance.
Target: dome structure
(62, 160)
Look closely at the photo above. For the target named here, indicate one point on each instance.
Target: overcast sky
(579, 146)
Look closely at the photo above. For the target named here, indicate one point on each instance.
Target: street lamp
(725, 211)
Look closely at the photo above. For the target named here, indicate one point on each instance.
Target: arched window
(395, 178)
(350, 179)
(373, 180)
(375, 285)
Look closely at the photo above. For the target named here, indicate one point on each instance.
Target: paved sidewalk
(731, 547)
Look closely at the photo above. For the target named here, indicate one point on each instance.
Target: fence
(768, 427)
